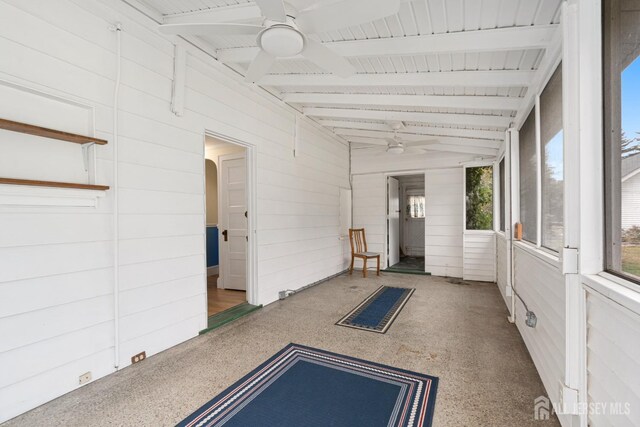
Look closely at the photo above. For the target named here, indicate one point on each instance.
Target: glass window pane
(551, 138)
(479, 198)
(528, 180)
(503, 214)
(622, 135)
(415, 206)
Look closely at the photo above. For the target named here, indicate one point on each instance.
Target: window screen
(551, 151)
(528, 181)
(479, 198)
(621, 49)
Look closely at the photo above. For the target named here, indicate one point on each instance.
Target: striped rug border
(390, 317)
(419, 404)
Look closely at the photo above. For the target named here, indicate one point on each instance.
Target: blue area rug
(303, 386)
(378, 311)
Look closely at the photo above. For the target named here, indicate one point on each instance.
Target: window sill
(539, 253)
(615, 289)
(481, 232)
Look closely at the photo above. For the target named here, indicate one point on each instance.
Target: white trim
(512, 202)
(611, 288)
(539, 168)
(538, 253)
(575, 298)
(213, 270)
(252, 197)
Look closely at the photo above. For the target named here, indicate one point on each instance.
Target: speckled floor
(456, 332)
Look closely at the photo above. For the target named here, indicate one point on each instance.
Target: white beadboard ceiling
(455, 69)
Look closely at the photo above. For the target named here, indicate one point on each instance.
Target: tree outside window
(479, 198)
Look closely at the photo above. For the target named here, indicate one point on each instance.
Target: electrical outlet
(531, 319)
(84, 378)
(139, 357)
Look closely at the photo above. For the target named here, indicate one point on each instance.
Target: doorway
(227, 225)
(406, 205)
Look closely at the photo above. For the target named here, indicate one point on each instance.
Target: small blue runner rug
(378, 311)
(303, 386)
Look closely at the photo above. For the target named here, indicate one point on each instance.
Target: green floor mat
(229, 315)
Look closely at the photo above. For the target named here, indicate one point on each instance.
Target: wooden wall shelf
(34, 183)
(49, 133)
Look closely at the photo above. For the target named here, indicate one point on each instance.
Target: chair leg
(378, 259)
(364, 267)
(351, 266)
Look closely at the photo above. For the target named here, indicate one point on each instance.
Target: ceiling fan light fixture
(281, 41)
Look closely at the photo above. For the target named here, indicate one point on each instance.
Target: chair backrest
(358, 240)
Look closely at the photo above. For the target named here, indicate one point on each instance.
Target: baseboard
(213, 270)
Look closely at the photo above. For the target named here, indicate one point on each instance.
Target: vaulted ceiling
(454, 70)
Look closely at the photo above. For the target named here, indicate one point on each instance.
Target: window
(479, 198)
(502, 213)
(415, 206)
(528, 179)
(621, 48)
(552, 158)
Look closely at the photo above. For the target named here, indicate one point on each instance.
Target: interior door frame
(252, 203)
(385, 175)
(222, 158)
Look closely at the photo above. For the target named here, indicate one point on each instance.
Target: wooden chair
(359, 250)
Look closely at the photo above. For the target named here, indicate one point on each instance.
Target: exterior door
(393, 221)
(233, 221)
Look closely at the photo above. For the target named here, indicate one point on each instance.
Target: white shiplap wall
(369, 212)
(56, 287)
(444, 221)
(613, 362)
(479, 256)
(540, 284)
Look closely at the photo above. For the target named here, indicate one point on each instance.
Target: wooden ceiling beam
(500, 122)
(489, 78)
(407, 137)
(493, 40)
(428, 101)
(337, 125)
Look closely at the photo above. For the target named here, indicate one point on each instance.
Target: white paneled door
(233, 221)
(393, 221)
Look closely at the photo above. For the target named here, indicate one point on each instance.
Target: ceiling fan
(284, 31)
(395, 145)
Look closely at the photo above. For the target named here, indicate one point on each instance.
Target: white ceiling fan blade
(211, 29)
(424, 143)
(259, 67)
(272, 9)
(414, 150)
(326, 59)
(375, 143)
(345, 13)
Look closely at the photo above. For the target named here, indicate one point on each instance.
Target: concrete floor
(456, 332)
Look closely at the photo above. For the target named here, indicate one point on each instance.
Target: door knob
(224, 234)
